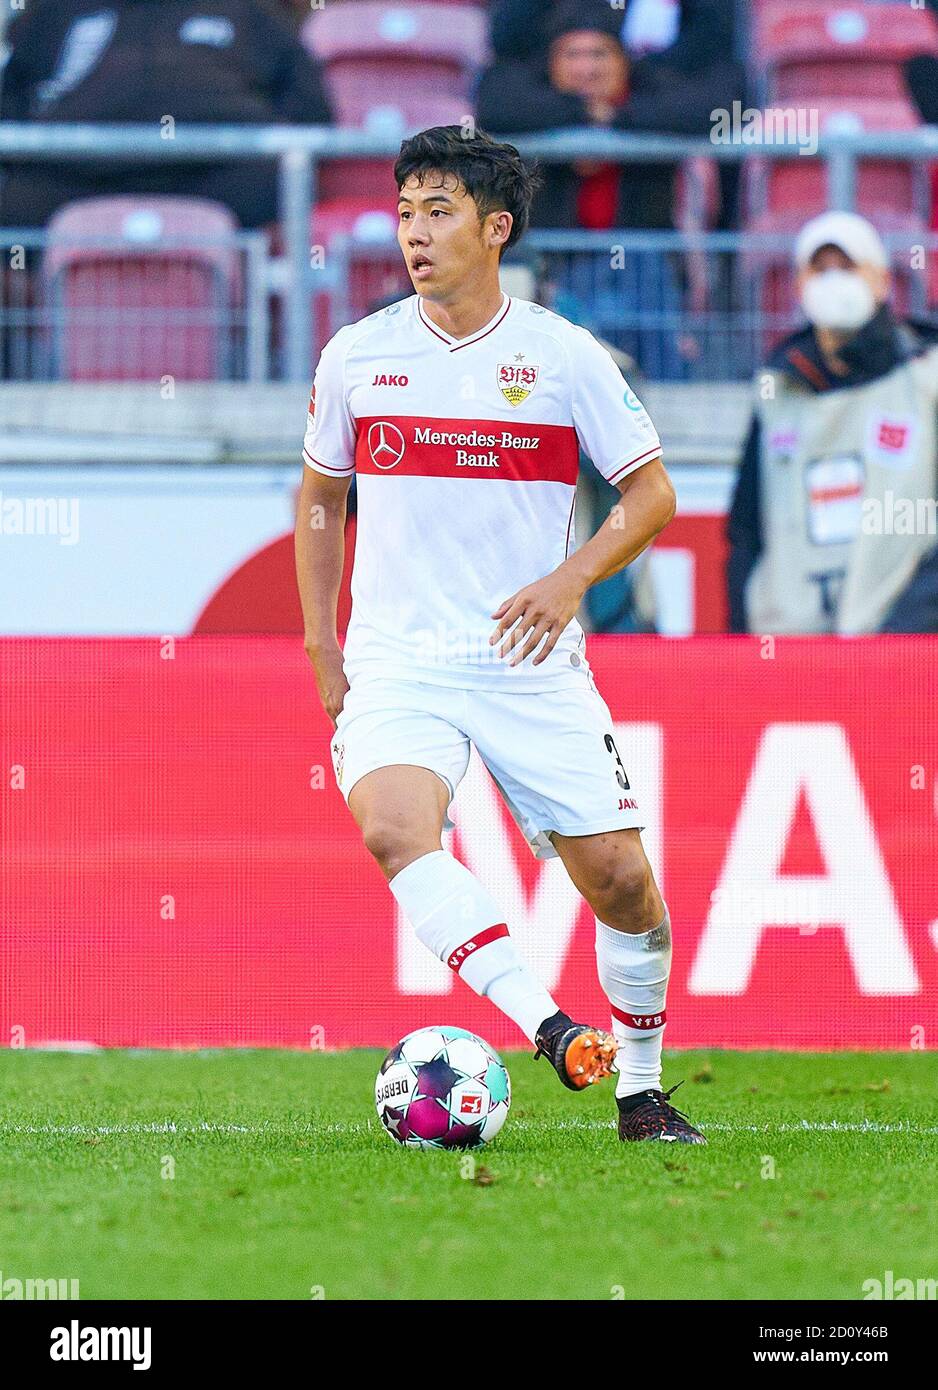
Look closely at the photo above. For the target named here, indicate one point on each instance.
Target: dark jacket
(705, 35)
(879, 347)
(515, 98)
(673, 91)
(921, 77)
(199, 61)
(140, 60)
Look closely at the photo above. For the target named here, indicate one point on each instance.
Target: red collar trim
(456, 344)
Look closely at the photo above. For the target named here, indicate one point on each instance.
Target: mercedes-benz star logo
(385, 444)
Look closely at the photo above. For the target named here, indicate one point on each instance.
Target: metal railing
(298, 281)
(704, 306)
(112, 315)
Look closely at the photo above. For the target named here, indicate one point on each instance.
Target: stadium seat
(888, 184)
(362, 218)
(345, 178)
(398, 66)
(363, 230)
(835, 48)
(340, 179)
(139, 288)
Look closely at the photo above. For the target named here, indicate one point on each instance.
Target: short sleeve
(329, 444)
(930, 373)
(612, 425)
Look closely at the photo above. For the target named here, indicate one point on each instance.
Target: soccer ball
(442, 1088)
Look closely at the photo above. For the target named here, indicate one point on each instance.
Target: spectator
(832, 526)
(297, 9)
(695, 34)
(585, 77)
(202, 61)
(921, 75)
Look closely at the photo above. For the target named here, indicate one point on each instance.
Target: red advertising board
(179, 868)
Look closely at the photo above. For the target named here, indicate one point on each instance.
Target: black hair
(493, 174)
(573, 16)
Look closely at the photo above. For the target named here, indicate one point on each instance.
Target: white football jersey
(465, 452)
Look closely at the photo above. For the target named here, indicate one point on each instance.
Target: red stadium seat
(400, 65)
(362, 218)
(138, 288)
(888, 184)
(419, 30)
(838, 48)
(840, 30)
(345, 178)
(390, 106)
(366, 228)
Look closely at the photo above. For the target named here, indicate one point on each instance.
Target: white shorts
(552, 755)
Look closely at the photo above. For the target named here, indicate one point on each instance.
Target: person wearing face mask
(832, 527)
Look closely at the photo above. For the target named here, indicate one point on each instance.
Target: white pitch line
(167, 1127)
(310, 1128)
(830, 1127)
(801, 1127)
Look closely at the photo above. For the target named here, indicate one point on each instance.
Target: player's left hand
(538, 611)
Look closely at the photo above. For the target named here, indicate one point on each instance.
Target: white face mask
(839, 299)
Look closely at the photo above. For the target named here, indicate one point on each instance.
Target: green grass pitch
(266, 1175)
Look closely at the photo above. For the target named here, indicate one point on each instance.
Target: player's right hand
(327, 663)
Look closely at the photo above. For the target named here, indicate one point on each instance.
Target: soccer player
(461, 412)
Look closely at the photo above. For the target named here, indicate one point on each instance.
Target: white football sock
(460, 922)
(633, 971)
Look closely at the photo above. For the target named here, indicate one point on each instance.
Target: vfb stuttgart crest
(516, 381)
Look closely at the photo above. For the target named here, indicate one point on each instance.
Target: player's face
(443, 241)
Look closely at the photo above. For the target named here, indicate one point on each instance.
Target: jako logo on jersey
(516, 382)
(384, 380)
(385, 444)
